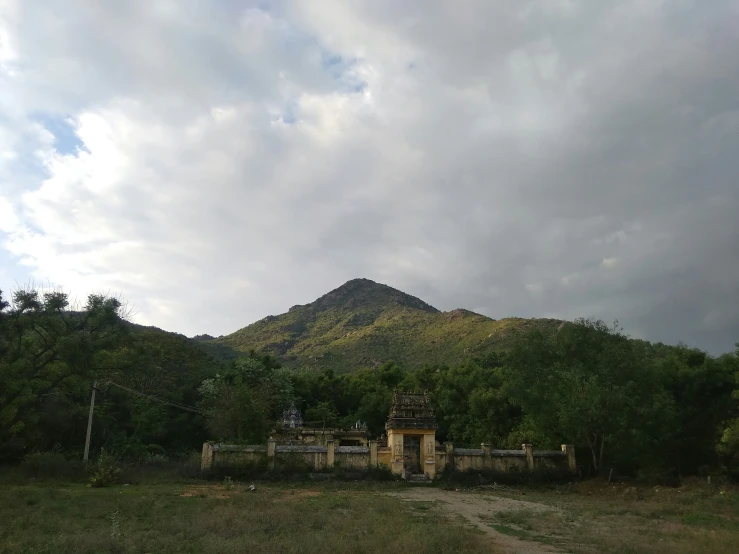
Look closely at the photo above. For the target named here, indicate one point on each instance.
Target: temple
(294, 431)
(411, 434)
(409, 450)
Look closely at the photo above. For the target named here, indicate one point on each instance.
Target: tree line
(629, 405)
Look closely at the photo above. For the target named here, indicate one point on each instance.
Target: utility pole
(89, 422)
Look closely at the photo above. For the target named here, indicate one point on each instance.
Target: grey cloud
(499, 153)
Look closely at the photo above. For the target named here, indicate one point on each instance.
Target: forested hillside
(49, 357)
(629, 405)
(364, 324)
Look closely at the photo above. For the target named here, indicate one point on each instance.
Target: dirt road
(479, 510)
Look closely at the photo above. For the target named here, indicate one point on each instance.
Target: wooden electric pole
(89, 422)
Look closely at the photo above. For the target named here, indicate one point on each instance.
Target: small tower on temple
(291, 418)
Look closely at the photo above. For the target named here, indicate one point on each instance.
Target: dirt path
(478, 510)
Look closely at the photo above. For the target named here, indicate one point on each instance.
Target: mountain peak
(363, 323)
(358, 293)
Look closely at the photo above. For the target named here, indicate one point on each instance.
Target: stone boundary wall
(366, 457)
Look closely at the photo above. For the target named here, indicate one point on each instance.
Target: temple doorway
(412, 454)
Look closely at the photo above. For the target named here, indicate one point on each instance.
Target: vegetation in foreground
(619, 518)
(161, 512)
(221, 518)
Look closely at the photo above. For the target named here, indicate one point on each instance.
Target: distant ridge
(364, 324)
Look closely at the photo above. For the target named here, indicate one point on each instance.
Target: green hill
(364, 324)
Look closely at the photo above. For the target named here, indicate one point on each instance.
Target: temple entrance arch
(412, 454)
(411, 433)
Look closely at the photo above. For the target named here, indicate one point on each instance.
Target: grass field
(623, 519)
(166, 515)
(218, 518)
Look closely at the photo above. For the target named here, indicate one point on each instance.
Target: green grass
(198, 517)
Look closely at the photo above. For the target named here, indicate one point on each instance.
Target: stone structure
(411, 433)
(291, 418)
(294, 432)
(411, 448)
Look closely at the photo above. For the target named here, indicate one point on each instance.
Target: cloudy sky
(217, 162)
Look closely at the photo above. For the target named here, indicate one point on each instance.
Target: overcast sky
(217, 162)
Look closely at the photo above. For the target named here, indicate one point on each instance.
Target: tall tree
(47, 352)
(244, 402)
(585, 383)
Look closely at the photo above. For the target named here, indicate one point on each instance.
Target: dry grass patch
(220, 519)
(597, 517)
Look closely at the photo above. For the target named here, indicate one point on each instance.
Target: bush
(475, 477)
(381, 473)
(190, 467)
(52, 465)
(106, 473)
(291, 465)
(243, 471)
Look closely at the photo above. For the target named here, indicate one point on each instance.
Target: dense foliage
(50, 355)
(625, 404)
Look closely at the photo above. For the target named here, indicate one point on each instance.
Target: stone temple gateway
(410, 449)
(411, 433)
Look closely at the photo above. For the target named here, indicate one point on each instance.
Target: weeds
(115, 524)
(176, 519)
(106, 473)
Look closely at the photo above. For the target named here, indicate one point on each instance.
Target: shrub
(291, 465)
(474, 477)
(52, 465)
(381, 473)
(190, 467)
(242, 471)
(106, 473)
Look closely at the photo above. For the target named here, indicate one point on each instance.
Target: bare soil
(479, 511)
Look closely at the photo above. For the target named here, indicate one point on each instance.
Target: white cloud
(8, 219)
(235, 161)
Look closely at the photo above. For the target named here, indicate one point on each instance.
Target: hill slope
(363, 324)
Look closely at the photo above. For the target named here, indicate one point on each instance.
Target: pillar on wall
(569, 449)
(395, 441)
(449, 449)
(529, 449)
(429, 455)
(487, 461)
(271, 449)
(373, 453)
(330, 453)
(206, 460)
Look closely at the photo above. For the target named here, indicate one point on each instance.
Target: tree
(585, 383)
(728, 444)
(243, 403)
(701, 388)
(48, 352)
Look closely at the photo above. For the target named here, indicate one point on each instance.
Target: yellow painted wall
(237, 458)
(440, 460)
(384, 456)
(466, 463)
(352, 460)
(464, 459)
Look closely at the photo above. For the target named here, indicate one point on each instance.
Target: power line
(157, 399)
